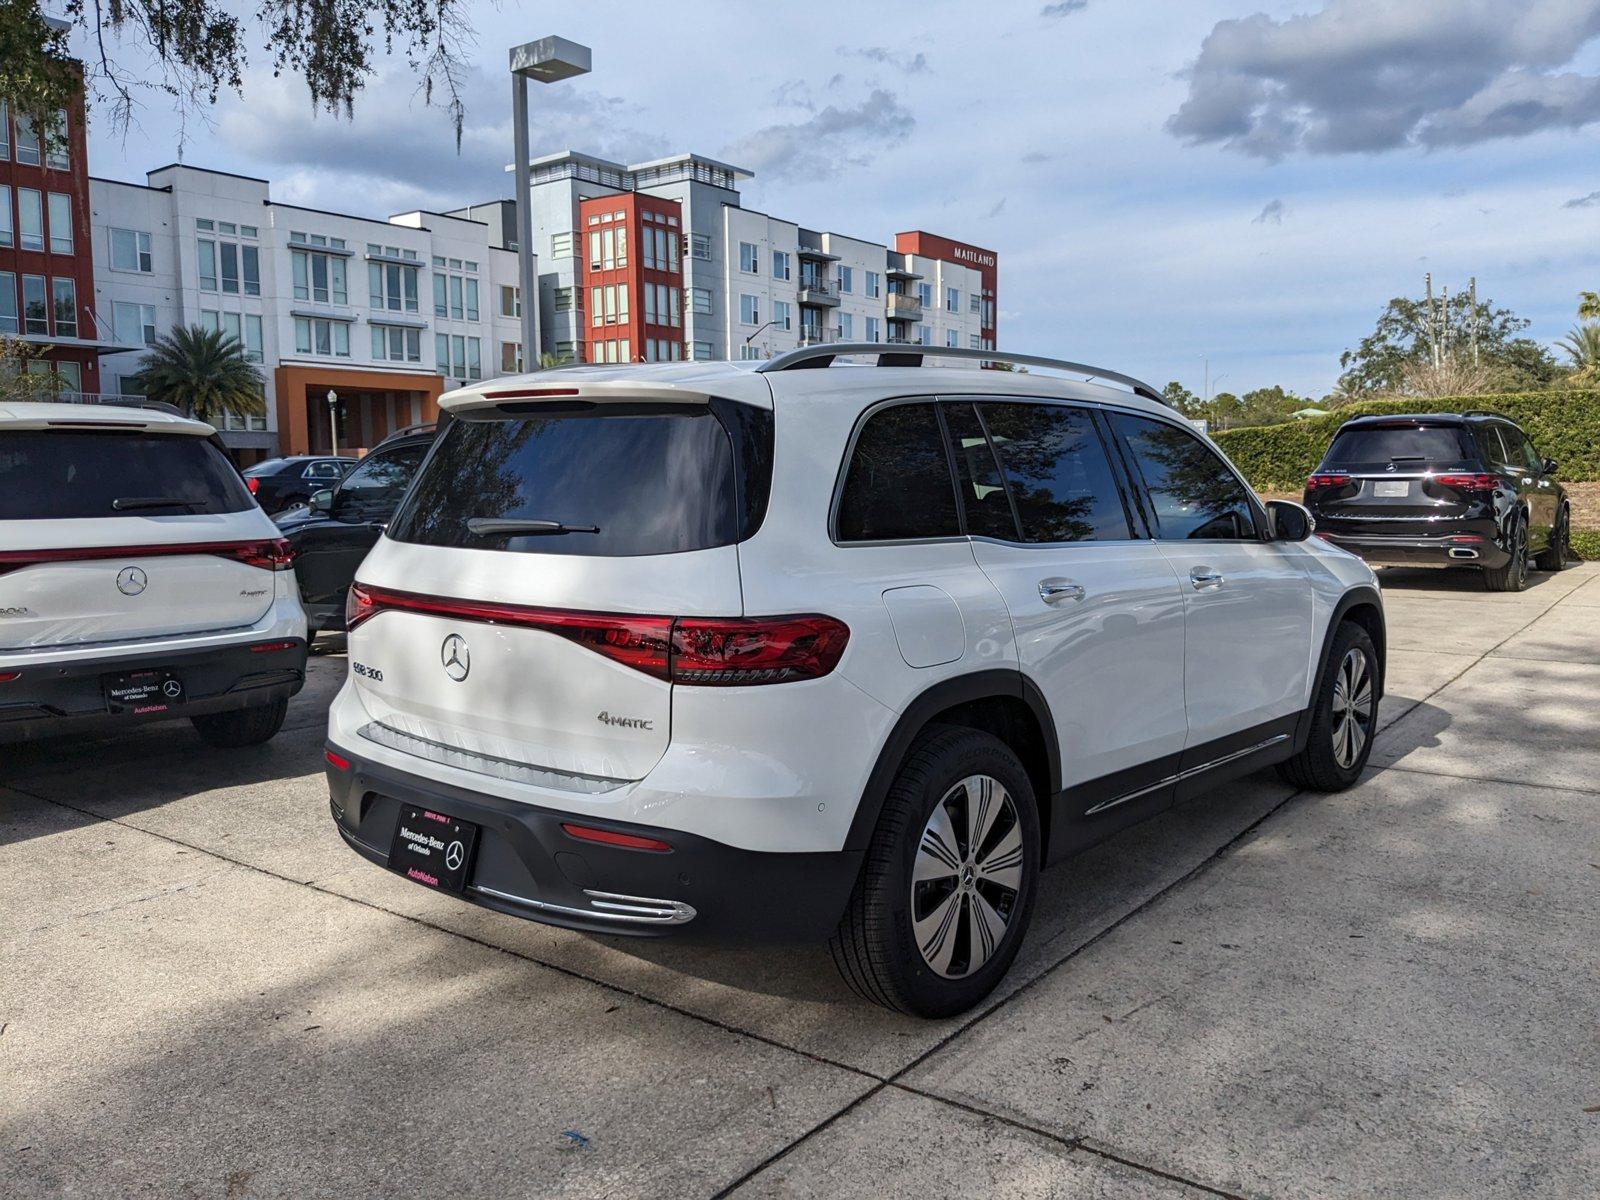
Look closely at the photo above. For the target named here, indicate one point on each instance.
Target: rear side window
(375, 488)
(1060, 477)
(71, 474)
(898, 483)
(270, 466)
(605, 480)
(1193, 491)
(1424, 445)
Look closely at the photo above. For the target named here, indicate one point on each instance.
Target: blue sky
(1169, 182)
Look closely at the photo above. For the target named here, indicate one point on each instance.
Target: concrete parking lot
(1389, 992)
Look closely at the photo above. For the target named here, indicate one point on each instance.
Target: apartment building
(46, 265)
(383, 314)
(752, 285)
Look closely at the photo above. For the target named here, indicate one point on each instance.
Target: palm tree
(1589, 306)
(204, 372)
(1582, 346)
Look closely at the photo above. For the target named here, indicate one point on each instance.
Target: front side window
(1059, 473)
(374, 489)
(1193, 491)
(898, 485)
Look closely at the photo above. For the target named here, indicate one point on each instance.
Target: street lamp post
(333, 419)
(548, 60)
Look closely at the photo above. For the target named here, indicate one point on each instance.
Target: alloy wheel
(967, 876)
(1352, 708)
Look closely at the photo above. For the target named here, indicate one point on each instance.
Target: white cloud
(823, 144)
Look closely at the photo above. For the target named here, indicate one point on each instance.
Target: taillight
(8, 676)
(741, 651)
(1322, 482)
(703, 651)
(275, 554)
(1467, 483)
(253, 484)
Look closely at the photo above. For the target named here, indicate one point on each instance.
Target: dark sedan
(281, 483)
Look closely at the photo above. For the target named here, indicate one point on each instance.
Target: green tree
(21, 376)
(1400, 343)
(203, 372)
(1589, 306)
(1582, 346)
(201, 47)
(1182, 399)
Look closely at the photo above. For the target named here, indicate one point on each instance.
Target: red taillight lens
(337, 761)
(269, 647)
(272, 555)
(276, 555)
(253, 484)
(1468, 483)
(704, 651)
(8, 676)
(752, 650)
(610, 837)
(1319, 483)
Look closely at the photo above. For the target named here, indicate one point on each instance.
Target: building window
(392, 286)
(8, 298)
(134, 324)
(847, 327)
(55, 154)
(317, 277)
(847, 279)
(64, 293)
(35, 313)
(749, 310)
(752, 353)
(566, 299)
(8, 234)
(700, 300)
(30, 216)
(511, 301)
(510, 358)
(924, 335)
(60, 206)
(455, 295)
(391, 343)
(673, 301)
(561, 245)
(952, 300)
(976, 301)
(250, 256)
(130, 251)
(700, 247)
(5, 131)
(925, 295)
(972, 341)
(567, 351)
(952, 338)
(315, 336)
(207, 254)
(27, 142)
(71, 376)
(780, 314)
(700, 351)
(780, 264)
(228, 253)
(874, 285)
(252, 340)
(872, 329)
(749, 258)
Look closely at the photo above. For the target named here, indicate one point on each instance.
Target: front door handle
(1055, 591)
(1205, 579)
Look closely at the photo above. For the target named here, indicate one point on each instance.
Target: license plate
(1398, 487)
(433, 849)
(140, 692)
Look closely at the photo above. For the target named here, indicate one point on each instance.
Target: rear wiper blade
(512, 527)
(1408, 458)
(125, 503)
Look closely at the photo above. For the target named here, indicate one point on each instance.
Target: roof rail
(912, 356)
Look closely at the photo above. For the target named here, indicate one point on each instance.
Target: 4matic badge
(606, 718)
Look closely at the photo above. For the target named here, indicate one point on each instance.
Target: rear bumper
(50, 698)
(527, 866)
(1473, 547)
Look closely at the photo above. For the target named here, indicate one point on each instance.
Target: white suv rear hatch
(520, 608)
(122, 525)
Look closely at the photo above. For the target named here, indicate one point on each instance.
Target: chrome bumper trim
(608, 906)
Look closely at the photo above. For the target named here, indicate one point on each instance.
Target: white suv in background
(847, 652)
(138, 579)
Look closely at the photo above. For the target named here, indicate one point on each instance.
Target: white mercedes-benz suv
(139, 580)
(816, 649)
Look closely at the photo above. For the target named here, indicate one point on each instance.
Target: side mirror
(322, 501)
(1549, 466)
(1291, 522)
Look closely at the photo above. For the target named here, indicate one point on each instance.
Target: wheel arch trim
(1360, 596)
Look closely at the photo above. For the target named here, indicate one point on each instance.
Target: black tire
(1323, 765)
(243, 726)
(875, 946)
(1554, 556)
(1512, 577)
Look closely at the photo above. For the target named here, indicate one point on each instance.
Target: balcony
(818, 292)
(903, 307)
(817, 335)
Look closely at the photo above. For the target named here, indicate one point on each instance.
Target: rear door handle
(1204, 579)
(1056, 591)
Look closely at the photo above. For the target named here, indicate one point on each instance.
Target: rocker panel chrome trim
(1199, 769)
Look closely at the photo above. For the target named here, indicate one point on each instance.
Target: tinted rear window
(51, 474)
(270, 466)
(652, 479)
(1399, 443)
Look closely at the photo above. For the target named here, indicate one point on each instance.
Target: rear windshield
(584, 479)
(1430, 445)
(59, 474)
(270, 466)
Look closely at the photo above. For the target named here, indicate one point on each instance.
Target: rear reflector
(275, 554)
(269, 647)
(703, 651)
(8, 676)
(609, 837)
(1467, 537)
(337, 761)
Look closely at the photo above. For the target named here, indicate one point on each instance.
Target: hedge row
(1564, 426)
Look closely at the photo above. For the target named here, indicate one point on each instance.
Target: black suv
(1453, 489)
(334, 532)
(280, 483)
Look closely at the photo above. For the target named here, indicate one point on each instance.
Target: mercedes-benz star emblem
(172, 689)
(131, 581)
(1390, 467)
(455, 656)
(454, 855)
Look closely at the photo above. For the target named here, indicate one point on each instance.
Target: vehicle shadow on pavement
(1465, 580)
